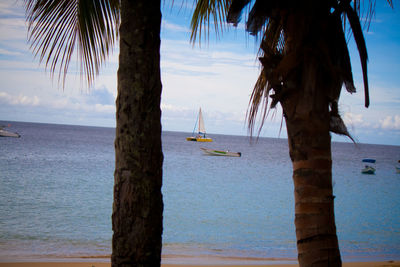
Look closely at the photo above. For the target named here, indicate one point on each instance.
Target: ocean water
(56, 191)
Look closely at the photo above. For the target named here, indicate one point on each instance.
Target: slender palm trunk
(307, 115)
(138, 205)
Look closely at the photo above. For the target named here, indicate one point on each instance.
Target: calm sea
(56, 191)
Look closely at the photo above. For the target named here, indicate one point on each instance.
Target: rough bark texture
(306, 108)
(309, 145)
(138, 205)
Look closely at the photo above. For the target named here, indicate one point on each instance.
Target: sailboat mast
(195, 124)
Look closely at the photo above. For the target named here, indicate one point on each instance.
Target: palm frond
(205, 13)
(259, 96)
(258, 16)
(57, 27)
(235, 11)
(341, 53)
(355, 25)
(270, 53)
(353, 15)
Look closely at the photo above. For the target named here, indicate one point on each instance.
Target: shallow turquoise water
(56, 186)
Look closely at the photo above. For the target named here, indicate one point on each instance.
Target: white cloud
(215, 79)
(357, 121)
(62, 103)
(169, 107)
(391, 122)
(10, 7)
(9, 53)
(104, 108)
(353, 119)
(13, 28)
(82, 105)
(166, 25)
(19, 99)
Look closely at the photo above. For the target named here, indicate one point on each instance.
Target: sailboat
(201, 135)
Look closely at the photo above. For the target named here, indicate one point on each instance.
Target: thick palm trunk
(309, 146)
(306, 108)
(138, 206)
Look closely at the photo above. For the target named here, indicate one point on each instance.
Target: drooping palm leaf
(235, 11)
(362, 48)
(258, 16)
(270, 53)
(354, 15)
(60, 28)
(343, 54)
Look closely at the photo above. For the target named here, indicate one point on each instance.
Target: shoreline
(173, 260)
(222, 264)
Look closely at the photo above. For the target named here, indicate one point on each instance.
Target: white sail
(202, 129)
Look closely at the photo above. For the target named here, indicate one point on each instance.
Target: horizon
(348, 141)
(217, 76)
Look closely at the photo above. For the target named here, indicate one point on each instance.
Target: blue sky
(217, 76)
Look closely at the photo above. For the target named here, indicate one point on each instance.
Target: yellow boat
(199, 139)
(201, 135)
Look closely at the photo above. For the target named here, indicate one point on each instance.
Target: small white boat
(4, 133)
(368, 170)
(214, 152)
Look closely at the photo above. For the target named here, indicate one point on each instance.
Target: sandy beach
(189, 261)
(107, 264)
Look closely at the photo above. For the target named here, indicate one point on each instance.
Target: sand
(107, 264)
(181, 260)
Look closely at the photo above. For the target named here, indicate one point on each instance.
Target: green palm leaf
(208, 11)
(60, 28)
(362, 48)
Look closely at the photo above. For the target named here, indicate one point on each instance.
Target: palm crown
(271, 19)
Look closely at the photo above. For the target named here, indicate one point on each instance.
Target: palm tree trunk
(309, 146)
(138, 205)
(306, 111)
(307, 121)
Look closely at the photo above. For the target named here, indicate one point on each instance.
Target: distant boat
(220, 152)
(398, 169)
(369, 160)
(368, 169)
(201, 135)
(4, 133)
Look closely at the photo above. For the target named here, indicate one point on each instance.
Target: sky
(217, 75)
